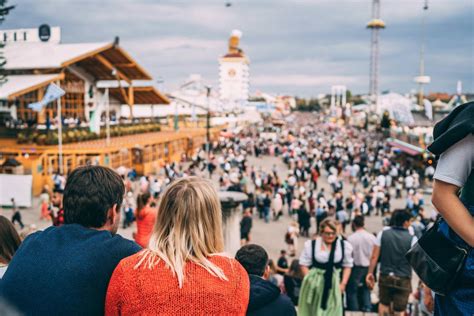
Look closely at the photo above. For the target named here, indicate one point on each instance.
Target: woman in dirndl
(326, 261)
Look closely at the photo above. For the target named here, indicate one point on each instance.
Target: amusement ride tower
(374, 25)
(422, 79)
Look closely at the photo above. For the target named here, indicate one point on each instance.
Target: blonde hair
(188, 228)
(329, 222)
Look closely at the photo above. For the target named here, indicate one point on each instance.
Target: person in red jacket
(145, 216)
(183, 271)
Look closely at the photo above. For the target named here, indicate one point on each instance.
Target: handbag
(437, 260)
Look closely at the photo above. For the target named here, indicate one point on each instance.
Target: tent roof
(99, 59)
(21, 84)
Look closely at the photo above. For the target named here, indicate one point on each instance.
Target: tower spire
(374, 25)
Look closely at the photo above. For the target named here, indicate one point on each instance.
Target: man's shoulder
(125, 245)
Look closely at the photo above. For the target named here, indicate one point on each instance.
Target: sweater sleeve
(242, 286)
(113, 300)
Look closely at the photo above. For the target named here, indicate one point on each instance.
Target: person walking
(291, 238)
(395, 271)
(362, 243)
(45, 200)
(185, 258)
(304, 220)
(9, 243)
(326, 263)
(267, 203)
(145, 217)
(277, 206)
(16, 217)
(245, 227)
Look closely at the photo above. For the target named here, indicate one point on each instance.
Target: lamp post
(160, 82)
(176, 119)
(107, 117)
(60, 135)
(208, 122)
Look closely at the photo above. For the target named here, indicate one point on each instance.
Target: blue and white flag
(428, 109)
(53, 92)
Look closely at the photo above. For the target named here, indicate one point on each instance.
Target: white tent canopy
(18, 83)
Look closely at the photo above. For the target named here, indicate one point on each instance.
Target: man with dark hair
(265, 297)
(66, 270)
(362, 243)
(282, 263)
(395, 272)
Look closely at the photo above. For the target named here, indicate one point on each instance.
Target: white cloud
(158, 44)
(301, 80)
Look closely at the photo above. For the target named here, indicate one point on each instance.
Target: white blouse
(322, 255)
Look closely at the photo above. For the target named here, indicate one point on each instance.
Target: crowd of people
(178, 242)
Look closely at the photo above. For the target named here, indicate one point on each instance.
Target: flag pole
(60, 135)
(107, 119)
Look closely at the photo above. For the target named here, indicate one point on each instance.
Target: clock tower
(234, 75)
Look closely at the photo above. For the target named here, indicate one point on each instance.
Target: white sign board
(18, 187)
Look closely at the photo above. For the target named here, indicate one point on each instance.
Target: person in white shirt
(363, 243)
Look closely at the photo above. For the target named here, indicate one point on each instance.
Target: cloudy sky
(299, 47)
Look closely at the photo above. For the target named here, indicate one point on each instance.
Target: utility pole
(208, 123)
(422, 79)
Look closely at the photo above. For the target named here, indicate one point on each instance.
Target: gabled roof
(99, 59)
(20, 84)
(46, 55)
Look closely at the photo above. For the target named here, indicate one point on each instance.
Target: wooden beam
(131, 99)
(146, 75)
(126, 65)
(42, 113)
(124, 94)
(86, 55)
(107, 64)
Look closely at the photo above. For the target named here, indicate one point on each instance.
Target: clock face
(231, 72)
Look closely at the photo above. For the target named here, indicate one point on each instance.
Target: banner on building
(53, 93)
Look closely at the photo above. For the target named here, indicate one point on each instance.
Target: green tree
(4, 11)
(385, 122)
(348, 95)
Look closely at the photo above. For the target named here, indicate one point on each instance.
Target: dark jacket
(454, 127)
(64, 271)
(266, 299)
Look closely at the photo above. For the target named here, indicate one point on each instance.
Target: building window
(24, 36)
(14, 37)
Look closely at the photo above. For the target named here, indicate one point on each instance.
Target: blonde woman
(183, 272)
(321, 262)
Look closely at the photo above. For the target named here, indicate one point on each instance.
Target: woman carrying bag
(322, 261)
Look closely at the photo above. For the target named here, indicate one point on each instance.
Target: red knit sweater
(155, 291)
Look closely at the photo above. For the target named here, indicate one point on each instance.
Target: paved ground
(270, 236)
